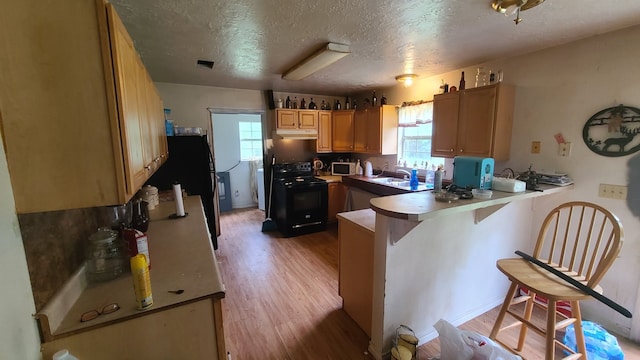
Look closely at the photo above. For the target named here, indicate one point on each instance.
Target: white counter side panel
(445, 268)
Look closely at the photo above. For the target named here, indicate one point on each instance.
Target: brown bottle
(461, 87)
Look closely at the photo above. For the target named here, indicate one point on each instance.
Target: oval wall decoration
(613, 131)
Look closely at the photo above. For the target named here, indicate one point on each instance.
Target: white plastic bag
(456, 344)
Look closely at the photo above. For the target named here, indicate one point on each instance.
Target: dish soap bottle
(358, 168)
(413, 182)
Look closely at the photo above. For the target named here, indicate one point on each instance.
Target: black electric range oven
(300, 200)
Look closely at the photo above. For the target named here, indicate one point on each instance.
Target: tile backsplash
(54, 244)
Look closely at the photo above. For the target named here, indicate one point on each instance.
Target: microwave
(343, 168)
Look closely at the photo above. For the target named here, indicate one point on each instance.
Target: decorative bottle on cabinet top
(481, 77)
(462, 82)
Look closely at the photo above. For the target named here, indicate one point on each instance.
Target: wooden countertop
(419, 206)
(330, 178)
(182, 257)
(365, 218)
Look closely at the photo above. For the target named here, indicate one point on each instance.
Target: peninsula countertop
(182, 257)
(419, 206)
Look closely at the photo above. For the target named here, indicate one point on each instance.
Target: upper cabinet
(474, 122)
(296, 119)
(324, 143)
(376, 130)
(342, 130)
(84, 125)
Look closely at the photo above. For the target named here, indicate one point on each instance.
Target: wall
(557, 91)
(19, 337)
(189, 103)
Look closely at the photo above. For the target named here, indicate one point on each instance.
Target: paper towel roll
(177, 194)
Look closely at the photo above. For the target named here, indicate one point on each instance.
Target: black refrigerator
(191, 163)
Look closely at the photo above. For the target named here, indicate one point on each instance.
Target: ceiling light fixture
(510, 7)
(323, 57)
(406, 79)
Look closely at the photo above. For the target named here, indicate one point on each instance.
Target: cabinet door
(125, 63)
(445, 124)
(156, 139)
(323, 144)
(286, 119)
(374, 131)
(361, 127)
(476, 123)
(337, 194)
(343, 130)
(307, 119)
(145, 113)
(355, 276)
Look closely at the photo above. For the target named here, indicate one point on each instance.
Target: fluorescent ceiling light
(320, 59)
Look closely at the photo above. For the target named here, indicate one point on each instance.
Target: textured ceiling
(254, 41)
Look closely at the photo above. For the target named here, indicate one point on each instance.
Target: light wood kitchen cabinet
(77, 126)
(337, 194)
(343, 130)
(474, 122)
(376, 130)
(356, 235)
(296, 119)
(324, 141)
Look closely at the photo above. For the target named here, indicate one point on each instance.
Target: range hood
(296, 134)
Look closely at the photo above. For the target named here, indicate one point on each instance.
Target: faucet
(403, 171)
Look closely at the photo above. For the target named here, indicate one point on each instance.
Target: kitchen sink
(400, 183)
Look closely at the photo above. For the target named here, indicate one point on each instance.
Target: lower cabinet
(189, 331)
(337, 197)
(356, 237)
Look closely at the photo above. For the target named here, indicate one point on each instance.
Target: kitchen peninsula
(183, 324)
(434, 260)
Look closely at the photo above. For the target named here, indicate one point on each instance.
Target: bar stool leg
(551, 330)
(577, 327)
(527, 316)
(503, 310)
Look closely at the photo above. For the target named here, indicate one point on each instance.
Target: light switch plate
(612, 191)
(535, 147)
(564, 149)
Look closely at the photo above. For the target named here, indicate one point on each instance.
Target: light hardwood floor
(282, 297)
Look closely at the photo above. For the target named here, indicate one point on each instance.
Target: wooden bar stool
(578, 238)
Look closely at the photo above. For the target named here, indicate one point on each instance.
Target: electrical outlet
(237, 193)
(535, 147)
(564, 149)
(613, 191)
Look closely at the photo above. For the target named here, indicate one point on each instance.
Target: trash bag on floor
(599, 343)
(456, 344)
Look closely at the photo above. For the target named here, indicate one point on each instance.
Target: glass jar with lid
(481, 77)
(105, 255)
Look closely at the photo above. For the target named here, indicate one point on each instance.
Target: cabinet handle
(451, 150)
(460, 150)
(148, 167)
